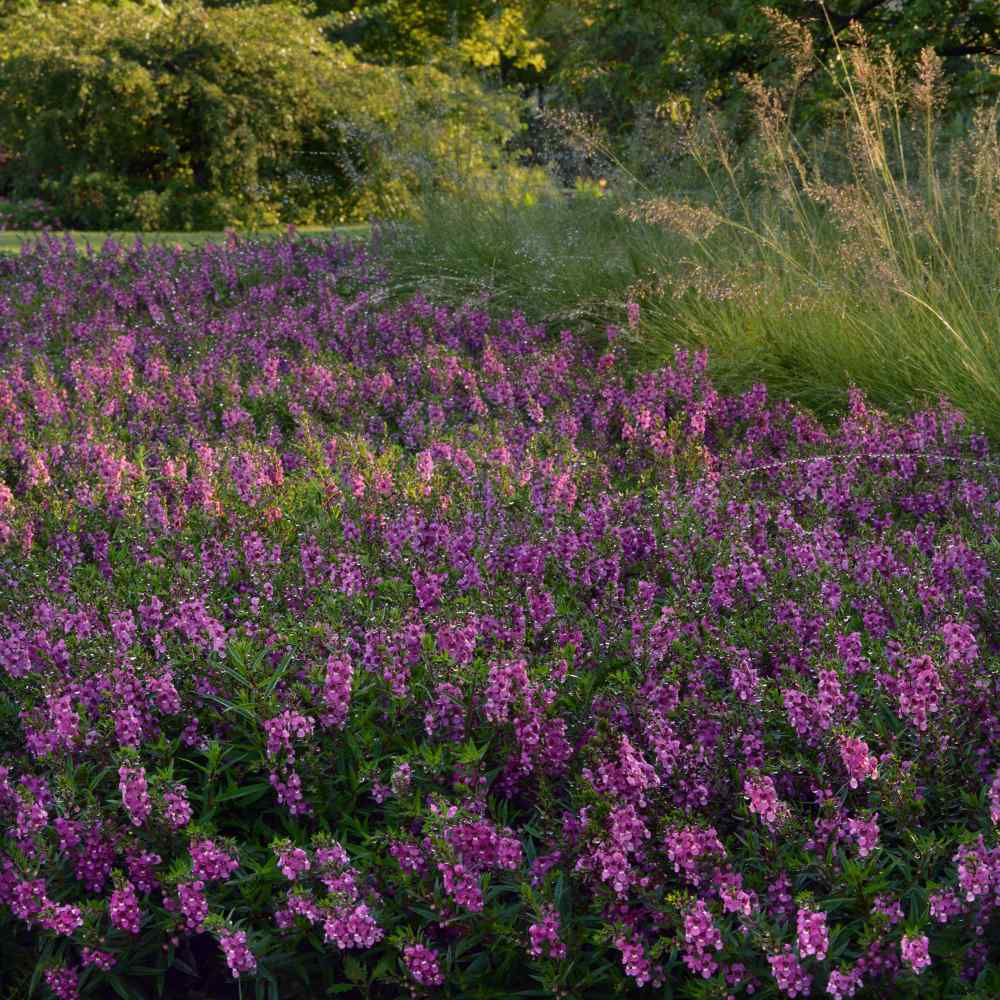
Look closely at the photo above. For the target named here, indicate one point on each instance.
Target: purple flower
(423, 966)
(239, 957)
(913, 950)
(544, 937)
(134, 793)
(813, 937)
(124, 909)
(791, 979)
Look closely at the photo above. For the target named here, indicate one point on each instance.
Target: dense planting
(388, 647)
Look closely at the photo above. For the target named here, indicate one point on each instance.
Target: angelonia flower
(401, 777)
(211, 862)
(142, 867)
(978, 870)
(292, 862)
(99, 959)
(633, 310)
(462, 885)
(239, 957)
(945, 905)
(701, 938)
(63, 982)
(764, 801)
(842, 985)
(352, 926)
(865, 833)
(791, 979)
(858, 760)
(134, 793)
(423, 966)
(812, 935)
(889, 908)
(176, 808)
(192, 903)
(124, 909)
(337, 691)
(913, 950)
(920, 691)
(636, 964)
(994, 798)
(544, 936)
(690, 847)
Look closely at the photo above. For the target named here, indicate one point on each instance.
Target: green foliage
(188, 118)
(620, 55)
(474, 33)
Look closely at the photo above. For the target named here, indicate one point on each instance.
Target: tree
(196, 118)
(622, 54)
(478, 34)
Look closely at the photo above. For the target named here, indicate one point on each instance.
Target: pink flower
(176, 808)
(791, 978)
(632, 308)
(764, 801)
(135, 793)
(211, 862)
(813, 937)
(292, 862)
(858, 760)
(920, 691)
(701, 938)
(63, 983)
(239, 957)
(635, 962)
(842, 985)
(99, 959)
(865, 832)
(914, 952)
(193, 904)
(124, 909)
(690, 848)
(422, 964)
(945, 906)
(544, 936)
(352, 926)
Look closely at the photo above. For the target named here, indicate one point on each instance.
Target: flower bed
(387, 648)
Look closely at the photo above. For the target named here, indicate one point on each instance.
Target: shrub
(386, 647)
(31, 214)
(191, 118)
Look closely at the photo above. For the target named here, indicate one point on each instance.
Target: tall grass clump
(865, 258)
(558, 256)
(559, 252)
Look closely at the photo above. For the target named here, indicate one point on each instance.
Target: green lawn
(10, 242)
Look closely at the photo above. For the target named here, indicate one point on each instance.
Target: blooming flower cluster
(404, 644)
(544, 936)
(422, 965)
(239, 958)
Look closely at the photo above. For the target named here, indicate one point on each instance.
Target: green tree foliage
(619, 55)
(187, 117)
(477, 34)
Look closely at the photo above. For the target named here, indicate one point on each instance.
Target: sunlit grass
(11, 241)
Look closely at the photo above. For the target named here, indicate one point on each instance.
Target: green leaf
(246, 794)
